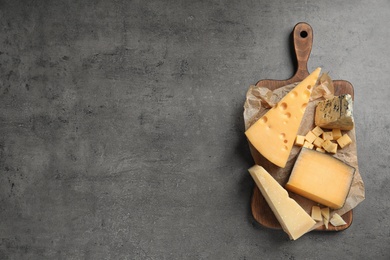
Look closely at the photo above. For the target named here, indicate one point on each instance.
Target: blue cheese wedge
(336, 112)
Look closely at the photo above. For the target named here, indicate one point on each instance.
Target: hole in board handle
(303, 34)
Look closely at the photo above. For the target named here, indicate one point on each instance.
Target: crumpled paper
(260, 99)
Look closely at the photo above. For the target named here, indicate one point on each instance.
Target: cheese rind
(335, 113)
(292, 217)
(273, 135)
(321, 178)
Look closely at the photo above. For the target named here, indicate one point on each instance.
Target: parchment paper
(260, 99)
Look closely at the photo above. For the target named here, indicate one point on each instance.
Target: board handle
(303, 41)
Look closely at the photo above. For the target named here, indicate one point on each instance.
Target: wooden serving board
(303, 40)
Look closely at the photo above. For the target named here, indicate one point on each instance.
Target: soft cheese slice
(273, 135)
(321, 178)
(292, 217)
(335, 113)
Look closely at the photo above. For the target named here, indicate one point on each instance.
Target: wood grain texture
(303, 41)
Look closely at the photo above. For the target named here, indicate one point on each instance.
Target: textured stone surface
(121, 129)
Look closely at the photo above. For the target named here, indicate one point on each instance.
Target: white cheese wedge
(335, 113)
(337, 220)
(292, 217)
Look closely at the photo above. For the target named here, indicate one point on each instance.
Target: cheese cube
(299, 140)
(308, 145)
(310, 137)
(321, 178)
(317, 131)
(327, 135)
(318, 142)
(292, 217)
(273, 135)
(336, 133)
(344, 140)
(329, 146)
(318, 149)
(316, 213)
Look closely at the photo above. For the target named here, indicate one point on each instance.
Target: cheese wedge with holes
(273, 135)
(294, 220)
(321, 178)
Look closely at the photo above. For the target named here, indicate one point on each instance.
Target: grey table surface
(121, 132)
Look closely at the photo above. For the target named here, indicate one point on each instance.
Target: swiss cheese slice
(273, 135)
(292, 217)
(321, 178)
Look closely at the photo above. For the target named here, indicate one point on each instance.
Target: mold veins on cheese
(273, 135)
(335, 113)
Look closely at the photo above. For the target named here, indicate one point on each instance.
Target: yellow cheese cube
(318, 142)
(344, 140)
(336, 133)
(329, 146)
(318, 149)
(321, 178)
(327, 135)
(273, 135)
(299, 140)
(317, 131)
(308, 145)
(292, 217)
(316, 213)
(310, 137)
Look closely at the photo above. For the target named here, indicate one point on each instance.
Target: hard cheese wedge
(273, 135)
(321, 178)
(291, 216)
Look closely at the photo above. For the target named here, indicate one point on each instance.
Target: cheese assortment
(274, 133)
(316, 174)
